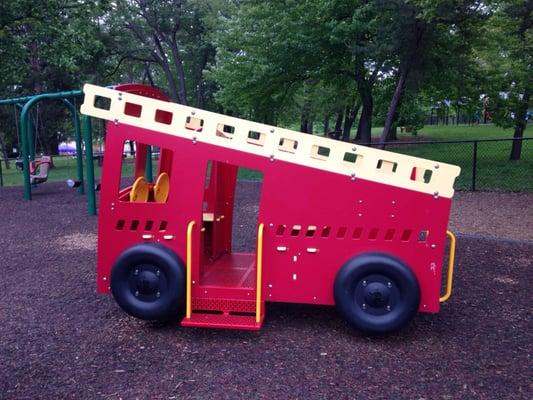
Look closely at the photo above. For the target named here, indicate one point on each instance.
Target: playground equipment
(338, 224)
(39, 170)
(26, 135)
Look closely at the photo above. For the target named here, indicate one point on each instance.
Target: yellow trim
(303, 152)
(259, 266)
(451, 260)
(189, 269)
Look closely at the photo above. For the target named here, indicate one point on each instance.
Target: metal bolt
(359, 215)
(105, 278)
(388, 308)
(158, 294)
(193, 112)
(271, 225)
(393, 202)
(364, 306)
(158, 272)
(137, 293)
(194, 140)
(271, 157)
(354, 148)
(433, 246)
(353, 177)
(392, 216)
(436, 195)
(136, 272)
(360, 201)
(389, 284)
(364, 283)
(436, 166)
(115, 121)
(270, 286)
(272, 131)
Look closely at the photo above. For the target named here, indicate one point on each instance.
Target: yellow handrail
(451, 260)
(259, 265)
(189, 269)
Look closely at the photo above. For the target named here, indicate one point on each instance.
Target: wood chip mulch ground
(59, 339)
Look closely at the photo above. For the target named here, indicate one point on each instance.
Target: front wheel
(148, 282)
(376, 293)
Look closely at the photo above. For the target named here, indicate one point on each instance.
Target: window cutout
(225, 131)
(288, 145)
(341, 232)
(389, 235)
(120, 224)
(257, 138)
(373, 235)
(134, 225)
(350, 157)
(357, 232)
(296, 230)
(133, 110)
(387, 167)
(103, 103)
(320, 152)
(149, 225)
(311, 230)
(427, 175)
(280, 230)
(194, 124)
(406, 235)
(423, 235)
(163, 226)
(326, 231)
(163, 117)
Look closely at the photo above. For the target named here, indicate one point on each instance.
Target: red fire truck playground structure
(338, 224)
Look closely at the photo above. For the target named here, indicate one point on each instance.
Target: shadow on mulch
(59, 339)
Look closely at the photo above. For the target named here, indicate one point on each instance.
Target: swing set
(35, 171)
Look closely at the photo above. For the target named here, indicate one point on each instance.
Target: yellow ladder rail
(189, 269)
(259, 265)
(451, 260)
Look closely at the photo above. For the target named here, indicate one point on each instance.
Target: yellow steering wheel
(161, 188)
(140, 190)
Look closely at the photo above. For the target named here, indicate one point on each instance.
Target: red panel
(291, 195)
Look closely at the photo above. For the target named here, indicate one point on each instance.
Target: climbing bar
(259, 265)
(451, 260)
(189, 269)
(353, 161)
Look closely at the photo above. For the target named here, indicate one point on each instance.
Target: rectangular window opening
(373, 235)
(325, 231)
(225, 131)
(406, 235)
(295, 231)
(134, 225)
(389, 235)
(149, 225)
(194, 124)
(357, 232)
(103, 103)
(288, 145)
(320, 152)
(280, 230)
(351, 158)
(421, 174)
(132, 109)
(120, 224)
(341, 232)
(423, 235)
(311, 230)
(257, 138)
(163, 117)
(387, 167)
(163, 226)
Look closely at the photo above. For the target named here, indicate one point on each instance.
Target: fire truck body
(320, 212)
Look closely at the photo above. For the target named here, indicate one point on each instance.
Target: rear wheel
(376, 293)
(148, 282)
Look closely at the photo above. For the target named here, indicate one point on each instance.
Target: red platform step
(223, 321)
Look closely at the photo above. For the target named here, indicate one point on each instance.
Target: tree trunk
(393, 107)
(178, 63)
(338, 122)
(305, 116)
(348, 121)
(364, 127)
(4, 151)
(520, 127)
(326, 124)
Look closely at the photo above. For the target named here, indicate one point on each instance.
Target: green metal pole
(148, 173)
(25, 151)
(88, 138)
(31, 138)
(79, 150)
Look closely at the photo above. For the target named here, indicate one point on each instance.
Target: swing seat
(39, 170)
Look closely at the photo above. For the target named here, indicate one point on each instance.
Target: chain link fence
(485, 164)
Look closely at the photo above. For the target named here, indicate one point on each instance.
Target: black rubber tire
(148, 282)
(376, 293)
